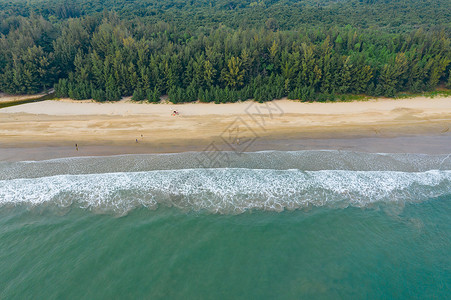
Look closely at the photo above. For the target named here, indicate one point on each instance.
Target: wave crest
(226, 190)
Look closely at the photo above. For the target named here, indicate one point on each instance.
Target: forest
(224, 51)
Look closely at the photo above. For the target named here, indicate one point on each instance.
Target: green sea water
(301, 225)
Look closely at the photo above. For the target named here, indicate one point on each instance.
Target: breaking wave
(226, 190)
(307, 160)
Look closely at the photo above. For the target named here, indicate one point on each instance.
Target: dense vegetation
(224, 51)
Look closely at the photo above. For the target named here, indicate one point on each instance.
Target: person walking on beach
(76, 147)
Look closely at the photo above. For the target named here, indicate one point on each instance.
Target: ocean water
(263, 225)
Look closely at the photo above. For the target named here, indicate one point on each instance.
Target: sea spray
(226, 190)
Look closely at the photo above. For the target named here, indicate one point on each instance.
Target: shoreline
(413, 144)
(50, 129)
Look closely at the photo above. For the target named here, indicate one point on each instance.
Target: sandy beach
(127, 127)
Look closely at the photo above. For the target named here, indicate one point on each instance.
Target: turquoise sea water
(266, 225)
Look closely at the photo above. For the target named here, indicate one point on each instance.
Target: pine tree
(139, 95)
(112, 92)
(233, 75)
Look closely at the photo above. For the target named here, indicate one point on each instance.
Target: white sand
(124, 121)
(125, 107)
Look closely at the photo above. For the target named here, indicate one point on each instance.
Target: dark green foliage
(263, 50)
(112, 92)
(387, 15)
(62, 88)
(139, 95)
(153, 95)
(79, 90)
(304, 93)
(98, 95)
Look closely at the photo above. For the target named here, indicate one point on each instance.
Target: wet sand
(425, 144)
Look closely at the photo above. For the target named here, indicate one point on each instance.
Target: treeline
(108, 57)
(229, 65)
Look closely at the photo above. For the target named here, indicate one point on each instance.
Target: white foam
(226, 190)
